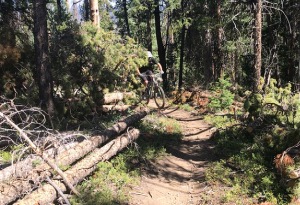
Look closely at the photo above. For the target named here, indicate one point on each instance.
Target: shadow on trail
(197, 151)
(189, 120)
(170, 111)
(197, 133)
(186, 162)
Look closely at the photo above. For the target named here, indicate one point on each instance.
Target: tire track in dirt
(178, 179)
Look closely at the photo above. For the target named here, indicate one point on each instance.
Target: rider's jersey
(150, 66)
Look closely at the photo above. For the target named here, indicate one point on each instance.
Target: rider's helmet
(149, 54)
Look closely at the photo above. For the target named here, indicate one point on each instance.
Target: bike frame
(153, 83)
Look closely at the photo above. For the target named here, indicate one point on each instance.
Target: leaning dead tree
(14, 188)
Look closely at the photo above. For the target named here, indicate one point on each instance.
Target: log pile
(114, 101)
(80, 160)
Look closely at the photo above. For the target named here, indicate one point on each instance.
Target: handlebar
(157, 77)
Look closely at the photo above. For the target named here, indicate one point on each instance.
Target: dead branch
(19, 169)
(58, 190)
(16, 188)
(39, 152)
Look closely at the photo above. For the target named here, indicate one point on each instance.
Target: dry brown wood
(112, 98)
(47, 194)
(12, 190)
(116, 97)
(107, 108)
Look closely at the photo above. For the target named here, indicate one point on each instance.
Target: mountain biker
(145, 71)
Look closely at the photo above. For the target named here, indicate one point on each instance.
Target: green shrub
(222, 97)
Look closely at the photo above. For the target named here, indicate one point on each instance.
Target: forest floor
(179, 177)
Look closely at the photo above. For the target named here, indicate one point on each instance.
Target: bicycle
(154, 90)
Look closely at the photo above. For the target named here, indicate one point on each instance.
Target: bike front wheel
(144, 96)
(159, 97)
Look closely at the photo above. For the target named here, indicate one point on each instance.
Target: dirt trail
(178, 179)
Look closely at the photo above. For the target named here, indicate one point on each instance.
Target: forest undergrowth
(249, 139)
(255, 135)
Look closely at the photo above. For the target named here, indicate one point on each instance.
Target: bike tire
(145, 96)
(159, 97)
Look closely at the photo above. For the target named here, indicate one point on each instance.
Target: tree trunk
(149, 30)
(160, 45)
(47, 194)
(219, 63)
(95, 13)
(257, 45)
(42, 56)
(126, 17)
(86, 10)
(8, 35)
(59, 9)
(180, 80)
(16, 188)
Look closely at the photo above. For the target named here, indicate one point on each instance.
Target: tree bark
(116, 97)
(112, 98)
(107, 108)
(8, 35)
(149, 29)
(42, 56)
(218, 47)
(16, 188)
(180, 80)
(126, 17)
(19, 169)
(257, 45)
(95, 13)
(59, 10)
(47, 194)
(86, 10)
(38, 151)
(160, 46)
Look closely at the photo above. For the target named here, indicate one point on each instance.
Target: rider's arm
(160, 68)
(138, 71)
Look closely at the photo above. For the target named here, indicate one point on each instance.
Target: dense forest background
(50, 52)
(55, 53)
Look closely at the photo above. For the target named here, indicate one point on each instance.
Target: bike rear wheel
(159, 97)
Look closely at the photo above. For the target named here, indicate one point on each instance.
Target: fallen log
(20, 168)
(13, 189)
(116, 97)
(47, 193)
(112, 98)
(23, 167)
(38, 150)
(107, 108)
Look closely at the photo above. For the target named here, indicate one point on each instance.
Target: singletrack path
(178, 178)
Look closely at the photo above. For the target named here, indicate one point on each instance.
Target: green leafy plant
(222, 97)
